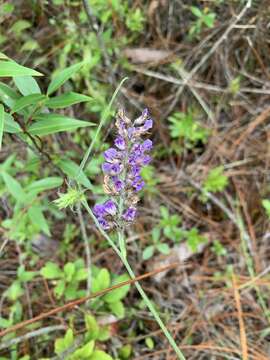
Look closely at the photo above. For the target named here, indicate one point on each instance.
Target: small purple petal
(135, 170)
(129, 214)
(99, 210)
(110, 207)
(138, 183)
(146, 160)
(118, 184)
(148, 125)
(106, 167)
(110, 154)
(131, 132)
(120, 143)
(147, 145)
(104, 224)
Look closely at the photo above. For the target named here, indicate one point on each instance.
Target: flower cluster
(122, 168)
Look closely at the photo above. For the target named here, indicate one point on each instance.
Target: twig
(30, 335)
(243, 337)
(80, 301)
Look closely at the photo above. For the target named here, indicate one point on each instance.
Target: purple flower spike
(110, 207)
(120, 143)
(110, 155)
(122, 168)
(129, 214)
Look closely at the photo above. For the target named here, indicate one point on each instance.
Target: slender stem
(87, 248)
(103, 119)
(145, 298)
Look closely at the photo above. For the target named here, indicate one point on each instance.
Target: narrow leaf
(14, 187)
(27, 85)
(62, 77)
(36, 216)
(53, 123)
(11, 68)
(71, 169)
(2, 120)
(28, 100)
(10, 126)
(67, 99)
(45, 184)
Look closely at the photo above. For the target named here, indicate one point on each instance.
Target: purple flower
(112, 169)
(110, 207)
(148, 125)
(110, 155)
(147, 145)
(138, 183)
(129, 214)
(120, 143)
(118, 184)
(104, 223)
(135, 170)
(146, 159)
(141, 119)
(99, 210)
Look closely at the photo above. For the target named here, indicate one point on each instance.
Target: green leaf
(91, 326)
(209, 19)
(63, 344)
(14, 187)
(33, 99)
(148, 252)
(266, 205)
(150, 343)
(100, 355)
(101, 281)
(119, 293)
(10, 126)
(80, 275)
(62, 77)
(71, 169)
(19, 26)
(69, 270)
(117, 308)
(36, 216)
(84, 352)
(51, 271)
(196, 11)
(65, 100)
(2, 121)
(53, 123)
(27, 85)
(216, 180)
(14, 291)
(8, 95)
(163, 248)
(11, 68)
(3, 56)
(24, 275)
(4, 323)
(45, 184)
(60, 288)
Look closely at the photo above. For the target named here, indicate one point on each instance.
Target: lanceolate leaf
(27, 85)
(53, 123)
(14, 187)
(45, 184)
(67, 99)
(36, 215)
(28, 100)
(8, 95)
(11, 68)
(62, 77)
(2, 119)
(72, 169)
(10, 126)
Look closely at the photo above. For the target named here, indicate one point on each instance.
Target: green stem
(122, 256)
